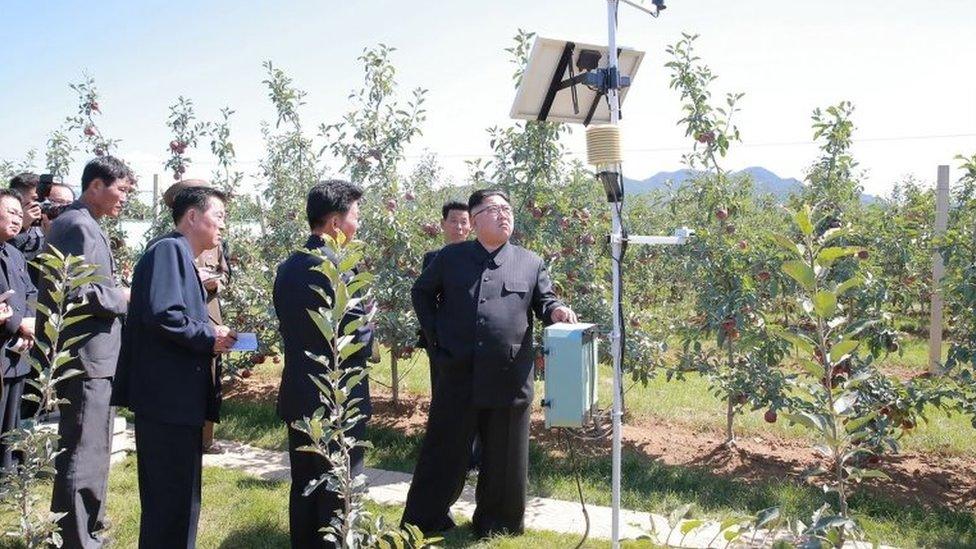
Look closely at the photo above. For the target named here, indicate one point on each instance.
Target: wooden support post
(938, 269)
(155, 198)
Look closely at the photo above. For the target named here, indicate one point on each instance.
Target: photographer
(55, 199)
(30, 240)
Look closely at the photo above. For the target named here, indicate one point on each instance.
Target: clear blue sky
(907, 66)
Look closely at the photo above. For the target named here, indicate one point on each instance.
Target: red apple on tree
(770, 416)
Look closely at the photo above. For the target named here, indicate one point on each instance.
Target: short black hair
(196, 198)
(107, 168)
(329, 197)
(9, 193)
(452, 205)
(480, 195)
(23, 183)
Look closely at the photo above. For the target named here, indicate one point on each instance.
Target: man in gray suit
(475, 303)
(85, 427)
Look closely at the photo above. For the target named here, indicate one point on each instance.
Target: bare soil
(927, 479)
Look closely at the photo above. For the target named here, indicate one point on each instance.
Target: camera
(52, 209)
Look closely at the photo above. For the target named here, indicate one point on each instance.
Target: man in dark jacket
(17, 324)
(30, 240)
(215, 273)
(85, 426)
(475, 303)
(332, 208)
(455, 226)
(164, 373)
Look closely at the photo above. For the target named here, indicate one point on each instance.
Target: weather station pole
(616, 247)
(575, 83)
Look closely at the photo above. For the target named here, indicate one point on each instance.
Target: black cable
(571, 451)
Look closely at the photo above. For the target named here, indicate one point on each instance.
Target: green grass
(256, 516)
(691, 403)
(650, 485)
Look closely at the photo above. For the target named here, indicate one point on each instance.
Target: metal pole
(613, 98)
(938, 269)
(155, 199)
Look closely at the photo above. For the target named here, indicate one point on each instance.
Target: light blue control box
(571, 366)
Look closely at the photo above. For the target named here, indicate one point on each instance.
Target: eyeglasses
(495, 211)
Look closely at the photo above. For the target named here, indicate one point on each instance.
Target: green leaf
(353, 325)
(809, 420)
(812, 367)
(349, 261)
(325, 327)
(802, 219)
(825, 303)
(856, 423)
(349, 350)
(833, 234)
(828, 256)
(689, 525)
(848, 284)
(800, 272)
(802, 343)
(842, 349)
(786, 244)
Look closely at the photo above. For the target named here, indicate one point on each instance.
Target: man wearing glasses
(475, 303)
(85, 426)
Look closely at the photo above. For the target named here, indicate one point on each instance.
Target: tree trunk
(394, 377)
(729, 419)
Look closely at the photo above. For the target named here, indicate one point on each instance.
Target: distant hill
(764, 180)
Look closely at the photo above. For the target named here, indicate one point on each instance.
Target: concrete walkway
(390, 488)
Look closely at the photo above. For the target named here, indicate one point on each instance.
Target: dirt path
(915, 478)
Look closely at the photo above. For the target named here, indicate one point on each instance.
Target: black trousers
(81, 482)
(170, 459)
(307, 514)
(13, 390)
(435, 375)
(443, 463)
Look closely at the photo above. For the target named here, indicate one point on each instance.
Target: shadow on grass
(256, 536)
(651, 485)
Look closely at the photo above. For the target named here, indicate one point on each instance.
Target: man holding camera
(31, 239)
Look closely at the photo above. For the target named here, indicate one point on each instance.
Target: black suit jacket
(30, 242)
(476, 309)
(167, 344)
(298, 397)
(428, 257)
(14, 276)
(76, 232)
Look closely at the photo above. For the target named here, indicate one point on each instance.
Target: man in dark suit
(455, 226)
(17, 324)
(85, 426)
(215, 274)
(475, 303)
(164, 374)
(332, 208)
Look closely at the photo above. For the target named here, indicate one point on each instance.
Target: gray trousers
(81, 482)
